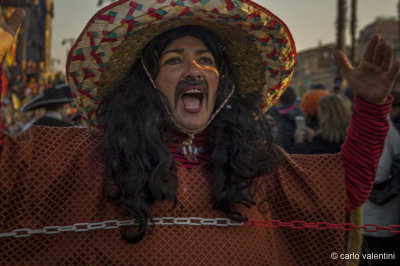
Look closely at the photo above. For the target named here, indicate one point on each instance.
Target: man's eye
(173, 61)
(206, 61)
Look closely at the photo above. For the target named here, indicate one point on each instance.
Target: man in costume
(53, 101)
(177, 90)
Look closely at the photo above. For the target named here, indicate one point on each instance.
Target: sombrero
(58, 95)
(258, 43)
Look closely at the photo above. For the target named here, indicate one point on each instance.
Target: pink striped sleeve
(362, 149)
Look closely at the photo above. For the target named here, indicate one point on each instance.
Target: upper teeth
(193, 91)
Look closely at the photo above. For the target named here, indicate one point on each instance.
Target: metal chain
(197, 221)
(114, 224)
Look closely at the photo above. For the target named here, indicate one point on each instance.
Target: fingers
(387, 57)
(371, 48)
(394, 70)
(378, 52)
(378, 55)
(342, 61)
(16, 20)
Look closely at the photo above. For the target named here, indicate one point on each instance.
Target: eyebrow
(180, 51)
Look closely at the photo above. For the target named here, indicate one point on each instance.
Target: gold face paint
(209, 68)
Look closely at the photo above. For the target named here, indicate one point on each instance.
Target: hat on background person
(50, 99)
(309, 103)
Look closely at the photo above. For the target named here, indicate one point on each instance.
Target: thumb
(16, 20)
(342, 61)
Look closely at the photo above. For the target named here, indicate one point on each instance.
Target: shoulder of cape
(43, 135)
(310, 162)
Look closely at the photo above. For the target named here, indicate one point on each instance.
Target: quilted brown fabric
(53, 176)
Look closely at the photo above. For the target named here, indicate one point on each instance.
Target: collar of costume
(262, 52)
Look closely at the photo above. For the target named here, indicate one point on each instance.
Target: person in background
(284, 112)
(333, 118)
(54, 101)
(395, 112)
(75, 118)
(317, 86)
(349, 94)
(309, 106)
(385, 212)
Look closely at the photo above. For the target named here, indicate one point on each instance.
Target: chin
(190, 126)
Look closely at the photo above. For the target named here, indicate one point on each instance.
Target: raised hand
(8, 30)
(373, 79)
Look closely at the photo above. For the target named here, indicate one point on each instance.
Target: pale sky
(310, 21)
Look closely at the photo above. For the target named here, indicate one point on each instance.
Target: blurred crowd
(317, 122)
(19, 92)
(25, 81)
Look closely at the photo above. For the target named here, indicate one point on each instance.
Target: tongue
(191, 102)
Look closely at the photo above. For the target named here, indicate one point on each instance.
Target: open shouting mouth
(191, 94)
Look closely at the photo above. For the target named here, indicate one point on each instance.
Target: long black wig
(139, 167)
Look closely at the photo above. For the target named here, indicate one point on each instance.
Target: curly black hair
(139, 167)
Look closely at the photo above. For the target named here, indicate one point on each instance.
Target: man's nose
(193, 69)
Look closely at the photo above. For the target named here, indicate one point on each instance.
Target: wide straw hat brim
(259, 45)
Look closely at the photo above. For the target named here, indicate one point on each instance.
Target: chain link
(197, 221)
(114, 224)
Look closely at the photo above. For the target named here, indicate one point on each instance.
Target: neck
(200, 139)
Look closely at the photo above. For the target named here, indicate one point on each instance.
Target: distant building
(314, 66)
(33, 52)
(388, 28)
(317, 66)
